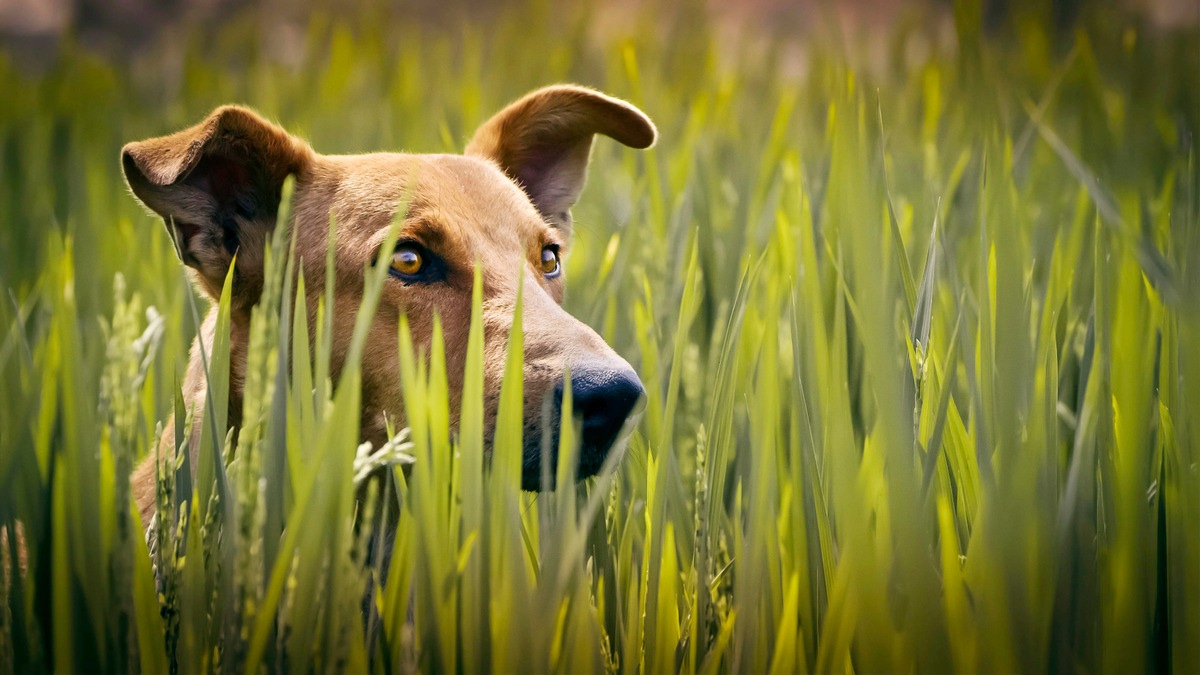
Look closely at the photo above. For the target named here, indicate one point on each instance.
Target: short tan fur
(505, 203)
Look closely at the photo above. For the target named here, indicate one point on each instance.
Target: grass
(921, 343)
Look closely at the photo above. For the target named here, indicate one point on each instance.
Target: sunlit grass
(921, 345)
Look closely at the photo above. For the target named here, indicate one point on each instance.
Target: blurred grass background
(915, 301)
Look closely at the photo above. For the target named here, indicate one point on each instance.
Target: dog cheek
(382, 393)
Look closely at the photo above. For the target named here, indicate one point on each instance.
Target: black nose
(602, 398)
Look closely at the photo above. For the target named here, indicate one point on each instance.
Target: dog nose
(603, 398)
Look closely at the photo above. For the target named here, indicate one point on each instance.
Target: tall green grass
(921, 342)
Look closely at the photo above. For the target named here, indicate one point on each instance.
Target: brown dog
(507, 199)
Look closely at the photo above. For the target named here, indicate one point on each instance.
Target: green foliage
(922, 360)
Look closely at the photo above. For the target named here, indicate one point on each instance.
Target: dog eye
(408, 262)
(550, 264)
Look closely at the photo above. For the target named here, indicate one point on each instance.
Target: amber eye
(408, 262)
(550, 265)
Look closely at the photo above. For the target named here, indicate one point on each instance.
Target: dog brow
(424, 229)
(420, 223)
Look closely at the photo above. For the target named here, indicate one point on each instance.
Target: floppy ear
(217, 186)
(543, 141)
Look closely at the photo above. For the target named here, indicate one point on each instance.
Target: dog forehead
(463, 208)
(468, 195)
(475, 197)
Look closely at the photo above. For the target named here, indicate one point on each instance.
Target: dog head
(504, 205)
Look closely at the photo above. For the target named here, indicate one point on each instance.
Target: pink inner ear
(549, 173)
(535, 165)
(222, 177)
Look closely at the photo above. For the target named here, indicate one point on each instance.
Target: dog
(506, 199)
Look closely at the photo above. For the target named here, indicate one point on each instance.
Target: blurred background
(32, 29)
(911, 286)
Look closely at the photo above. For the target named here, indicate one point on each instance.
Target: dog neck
(195, 384)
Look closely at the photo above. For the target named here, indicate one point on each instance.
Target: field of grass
(918, 317)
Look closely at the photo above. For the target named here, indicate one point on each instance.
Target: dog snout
(602, 399)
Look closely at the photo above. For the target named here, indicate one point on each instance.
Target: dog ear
(218, 186)
(543, 140)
